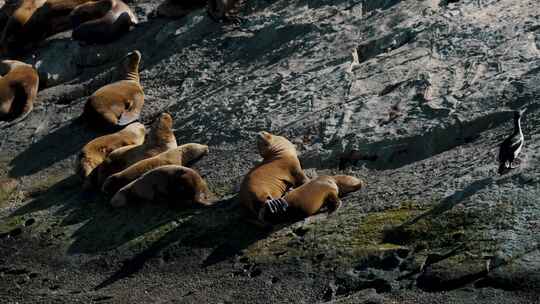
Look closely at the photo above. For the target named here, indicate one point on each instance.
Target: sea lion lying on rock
(101, 21)
(176, 185)
(185, 155)
(119, 103)
(308, 199)
(160, 139)
(18, 91)
(279, 171)
(95, 152)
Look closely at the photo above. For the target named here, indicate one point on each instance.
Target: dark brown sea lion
(101, 21)
(18, 90)
(172, 184)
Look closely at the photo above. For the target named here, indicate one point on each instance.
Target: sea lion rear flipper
(127, 118)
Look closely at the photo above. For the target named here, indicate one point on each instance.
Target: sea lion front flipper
(333, 202)
(128, 117)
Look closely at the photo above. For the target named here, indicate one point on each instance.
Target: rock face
(418, 111)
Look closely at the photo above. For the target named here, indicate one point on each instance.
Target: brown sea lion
(35, 20)
(225, 10)
(179, 8)
(6, 11)
(118, 103)
(18, 90)
(308, 199)
(95, 152)
(101, 21)
(160, 139)
(176, 185)
(279, 170)
(16, 33)
(185, 155)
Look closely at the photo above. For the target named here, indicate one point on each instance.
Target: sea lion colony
(131, 166)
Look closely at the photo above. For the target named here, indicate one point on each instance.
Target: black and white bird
(511, 147)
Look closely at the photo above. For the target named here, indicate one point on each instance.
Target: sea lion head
(130, 64)
(161, 130)
(347, 184)
(192, 153)
(270, 145)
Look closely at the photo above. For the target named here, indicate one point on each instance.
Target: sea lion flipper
(128, 117)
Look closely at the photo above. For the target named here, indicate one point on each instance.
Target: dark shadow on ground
(221, 229)
(52, 148)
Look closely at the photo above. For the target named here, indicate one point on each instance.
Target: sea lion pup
(95, 152)
(18, 90)
(177, 185)
(118, 103)
(160, 139)
(308, 199)
(279, 170)
(225, 10)
(101, 21)
(185, 155)
(179, 8)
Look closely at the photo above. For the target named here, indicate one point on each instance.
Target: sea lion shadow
(220, 229)
(51, 149)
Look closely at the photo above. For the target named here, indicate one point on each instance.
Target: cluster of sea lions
(26, 23)
(132, 165)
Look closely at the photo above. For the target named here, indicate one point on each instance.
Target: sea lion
(177, 185)
(18, 90)
(95, 152)
(101, 21)
(7, 10)
(179, 8)
(35, 20)
(308, 199)
(185, 155)
(160, 139)
(16, 33)
(118, 103)
(225, 10)
(279, 170)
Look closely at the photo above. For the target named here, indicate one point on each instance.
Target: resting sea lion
(179, 8)
(18, 90)
(95, 152)
(225, 10)
(101, 21)
(121, 102)
(308, 199)
(279, 170)
(160, 139)
(185, 155)
(174, 184)
(35, 20)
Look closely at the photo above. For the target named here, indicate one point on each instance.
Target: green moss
(10, 223)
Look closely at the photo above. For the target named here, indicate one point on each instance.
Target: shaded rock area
(419, 115)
